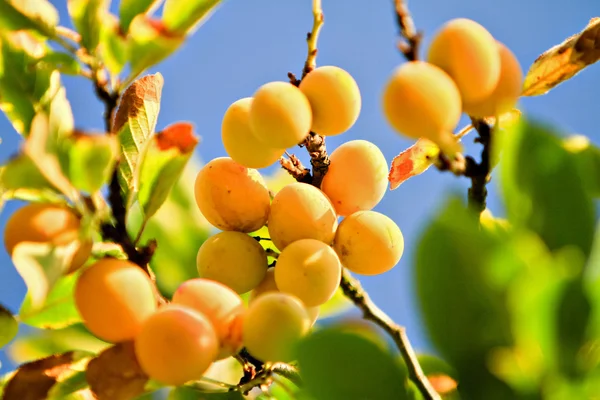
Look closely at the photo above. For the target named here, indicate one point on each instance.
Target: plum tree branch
(314, 143)
(312, 37)
(355, 292)
(410, 41)
(478, 172)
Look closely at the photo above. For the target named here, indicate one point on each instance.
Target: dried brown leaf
(564, 61)
(33, 380)
(115, 374)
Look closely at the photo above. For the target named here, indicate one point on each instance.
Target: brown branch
(312, 37)
(315, 145)
(354, 291)
(294, 167)
(410, 41)
(480, 172)
(319, 160)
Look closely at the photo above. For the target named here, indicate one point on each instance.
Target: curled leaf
(41, 265)
(564, 61)
(40, 147)
(163, 164)
(420, 156)
(115, 374)
(413, 161)
(150, 43)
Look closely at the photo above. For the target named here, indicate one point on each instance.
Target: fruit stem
(265, 376)
(355, 292)
(312, 37)
(412, 39)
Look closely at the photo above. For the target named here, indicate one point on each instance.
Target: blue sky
(248, 43)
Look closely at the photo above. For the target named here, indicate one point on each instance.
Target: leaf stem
(355, 292)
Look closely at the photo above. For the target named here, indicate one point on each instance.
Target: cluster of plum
(206, 320)
(467, 70)
(257, 130)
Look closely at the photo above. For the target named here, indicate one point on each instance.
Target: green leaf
(42, 148)
(135, 122)
(58, 310)
(180, 229)
(162, 165)
(88, 16)
(22, 88)
(113, 45)
(150, 43)
(43, 343)
(91, 160)
(183, 16)
(35, 379)
(587, 159)
(543, 190)
(63, 62)
(129, 9)
(39, 15)
(9, 327)
(41, 266)
(62, 123)
(573, 317)
(21, 173)
(190, 393)
(454, 285)
(340, 365)
(73, 387)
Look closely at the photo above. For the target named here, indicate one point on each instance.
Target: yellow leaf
(564, 61)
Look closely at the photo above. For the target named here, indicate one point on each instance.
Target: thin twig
(265, 376)
(354, 291)
(295, 168)
(411, 39)
(312, 37)
(314, 143)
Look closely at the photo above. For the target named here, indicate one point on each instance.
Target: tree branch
(480, 172)
(354, 291)
(314, 143)
(410, 41)
(312, 37)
